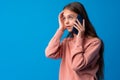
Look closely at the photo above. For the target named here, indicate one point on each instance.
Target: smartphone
(79, 17)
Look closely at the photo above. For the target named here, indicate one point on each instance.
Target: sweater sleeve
(82, 58)
(55, 48)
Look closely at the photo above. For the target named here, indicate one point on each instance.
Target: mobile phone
(79, 17)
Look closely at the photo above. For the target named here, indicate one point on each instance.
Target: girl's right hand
(61, 21)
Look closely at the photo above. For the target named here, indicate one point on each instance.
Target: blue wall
(26, 26)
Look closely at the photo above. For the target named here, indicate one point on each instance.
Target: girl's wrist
(61, 29)
(80, 35)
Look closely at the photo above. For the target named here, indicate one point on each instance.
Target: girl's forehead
(69, 12)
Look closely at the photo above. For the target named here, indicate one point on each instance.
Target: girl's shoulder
(92, 40)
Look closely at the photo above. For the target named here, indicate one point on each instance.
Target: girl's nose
(66, 21)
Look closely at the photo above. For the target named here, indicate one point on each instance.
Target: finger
(76, 27)
(79, 22)
(84, 24)
(79, 26)
(61, 13)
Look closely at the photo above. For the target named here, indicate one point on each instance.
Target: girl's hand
(80, 27)
(61, 21)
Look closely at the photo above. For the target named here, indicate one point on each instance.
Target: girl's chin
(70, 29)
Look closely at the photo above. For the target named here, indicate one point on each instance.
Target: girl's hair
(78, 8)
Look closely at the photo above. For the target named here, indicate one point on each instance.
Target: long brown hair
(78, 8)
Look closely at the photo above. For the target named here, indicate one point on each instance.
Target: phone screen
(79, 17)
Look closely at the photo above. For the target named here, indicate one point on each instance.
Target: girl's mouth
(68, 26)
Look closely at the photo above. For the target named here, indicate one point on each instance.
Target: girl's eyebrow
(71, 15)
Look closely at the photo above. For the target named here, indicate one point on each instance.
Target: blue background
(26, 26)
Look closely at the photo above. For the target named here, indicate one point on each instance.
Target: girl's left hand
(80, 27)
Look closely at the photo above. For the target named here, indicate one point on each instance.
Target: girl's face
(69, 18)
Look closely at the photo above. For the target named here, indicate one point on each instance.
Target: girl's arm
(81, 58)
(55, 48)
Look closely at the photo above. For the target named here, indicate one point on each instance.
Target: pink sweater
(78, 56)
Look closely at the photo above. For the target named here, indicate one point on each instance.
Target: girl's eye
(70, 17)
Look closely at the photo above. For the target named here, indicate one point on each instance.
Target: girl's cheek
(72, 23)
